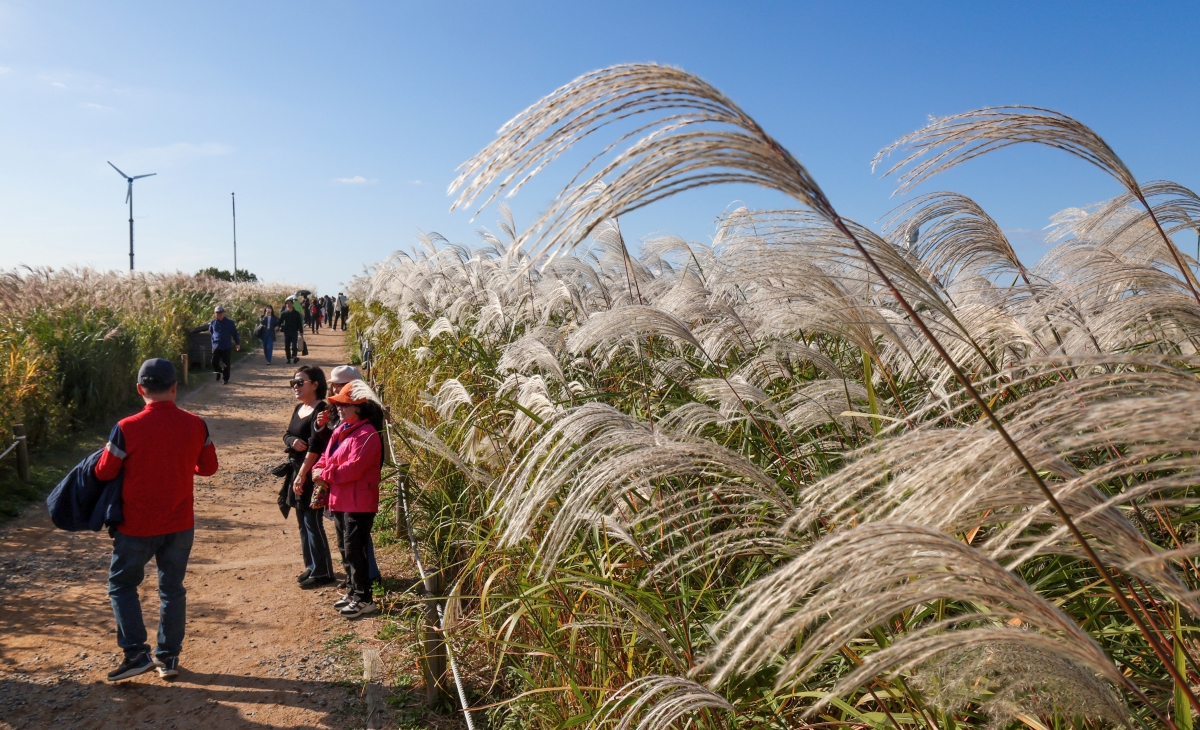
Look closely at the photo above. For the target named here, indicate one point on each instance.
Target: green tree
(223, 275)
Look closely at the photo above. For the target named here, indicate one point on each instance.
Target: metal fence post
(22, 452)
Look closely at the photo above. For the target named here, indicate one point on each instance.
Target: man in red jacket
(160, 450)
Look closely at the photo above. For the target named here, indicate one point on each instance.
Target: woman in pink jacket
(350, 469)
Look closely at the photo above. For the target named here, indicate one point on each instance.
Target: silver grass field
(809, 474)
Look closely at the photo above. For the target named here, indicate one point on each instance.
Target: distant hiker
(329, 312)
(314, 316)
(159, 451)
(306, 311)
(225, 339)
(290, 323)
(268, 323)
(343, 308)
(340, 377)
(350, 467)
(305, 442)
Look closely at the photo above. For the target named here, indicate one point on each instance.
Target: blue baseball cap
(156, 373)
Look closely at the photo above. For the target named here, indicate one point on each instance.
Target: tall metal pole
(131, 226)
(233, 199)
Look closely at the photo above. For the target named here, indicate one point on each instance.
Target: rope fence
(22, 449)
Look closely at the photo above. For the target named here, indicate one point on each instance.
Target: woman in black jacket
(305, 442)
(269, 323)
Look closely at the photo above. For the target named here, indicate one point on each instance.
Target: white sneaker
(358, 608)
(344, 601)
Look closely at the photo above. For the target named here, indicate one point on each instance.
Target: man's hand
(238, 348)
(300, 445)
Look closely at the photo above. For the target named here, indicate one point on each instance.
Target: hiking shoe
(358, 608)
(312, 582)
(344, 601)
(217, 376)
(300, 578)
(139, 663)
(167, 668)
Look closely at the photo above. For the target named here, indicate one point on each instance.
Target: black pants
(220, 356)
(290, 348)
(345, 316)
(315, 323)
(355, 531)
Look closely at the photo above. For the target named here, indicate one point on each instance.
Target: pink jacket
(351, 466)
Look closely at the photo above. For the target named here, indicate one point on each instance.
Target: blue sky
(340, 125)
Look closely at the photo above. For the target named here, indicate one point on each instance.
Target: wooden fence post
(372, 676)
(186, 371)
(22, 452)
(435, 644)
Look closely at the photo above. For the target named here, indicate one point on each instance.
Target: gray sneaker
(167, 668)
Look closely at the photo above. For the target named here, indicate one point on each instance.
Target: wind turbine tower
(129, 199)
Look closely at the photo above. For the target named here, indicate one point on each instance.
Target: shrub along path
(259, 651)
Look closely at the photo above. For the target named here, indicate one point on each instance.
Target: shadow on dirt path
(258, 648)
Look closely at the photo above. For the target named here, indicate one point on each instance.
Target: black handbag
(304, 347)
(259, 331)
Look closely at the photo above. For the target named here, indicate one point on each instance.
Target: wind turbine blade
(129, 194)
(119, 171)
(139, 177)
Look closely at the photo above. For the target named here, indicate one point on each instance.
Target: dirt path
(259, 652)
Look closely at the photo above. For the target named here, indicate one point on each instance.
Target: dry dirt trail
(259, 653)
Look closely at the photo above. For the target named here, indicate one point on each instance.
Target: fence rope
(10, 448)
(402, 494)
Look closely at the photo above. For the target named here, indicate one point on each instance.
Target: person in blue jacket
(225, 339)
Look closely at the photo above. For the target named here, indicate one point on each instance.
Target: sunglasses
(298, 382)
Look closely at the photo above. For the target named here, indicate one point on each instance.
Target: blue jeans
(125, 574)
(268, 343)
(314, 545)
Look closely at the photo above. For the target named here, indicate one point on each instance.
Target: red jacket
(351, 466)
(161, 449)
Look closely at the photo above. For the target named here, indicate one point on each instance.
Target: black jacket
(83, 502)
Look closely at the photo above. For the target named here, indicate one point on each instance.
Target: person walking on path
(269, 323)
(290, 323)
(160, 450)
(329, 312)
(340, 377)
(305, 442)
(350, 468)
(343, 309)
(225, 339)
(306, 311)
(314, 316)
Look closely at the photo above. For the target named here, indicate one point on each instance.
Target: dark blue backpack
(83, 502)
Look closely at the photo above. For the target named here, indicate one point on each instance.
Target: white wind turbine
(129, 199)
